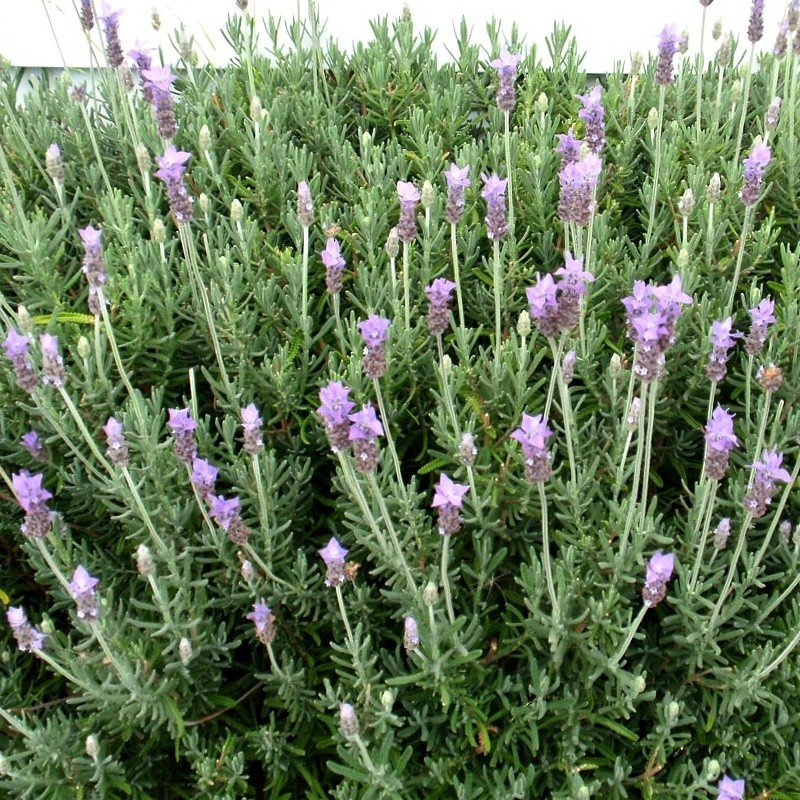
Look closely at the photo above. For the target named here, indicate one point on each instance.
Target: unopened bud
(366, 139)
(673, 712)
(524, 324)
(716, 31)
(633, 413)
(583, 793)
(770, 378)
(24, 321)
(785, 530)
(427, 195)
(615, 367)
(387, 700)
(683, 42)
(4, 766)
(92, 746)
(467, 450)
(686, 203)
(542, 103)
(714, 188)
(683, 258)
(185, 650)
(144, 561)
(771, 117)
(348, 721)
(736, 91)
(203, 202)
(392, 245)
(155, 19)
(248, 573)
(204, 138)
(47, 626)
(447, 364)
(84, 348)
(636, 63)
(536, 161)
(53, 164)
(143, 158)
(795, 537)
(724, 52)
(722, 533)
(430, 594)
(639, 684)
(652, 119)
(256, 109)
(568, 367)
(237, 212)
(713, 769)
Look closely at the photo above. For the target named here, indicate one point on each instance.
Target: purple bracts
(363, 434)
(374, 333)
(29, 640)
(593, 116)
(753, 173)
(762, 316)
(204, 477)
(729, 789)
(158, 83)
(767, 473)
(578, 180)
(305, 205)
(94, 265)
(506, 65)
(722, 340)
(755, 25)
(568, 147)
(555, 307)
(172, 165)
(409, 196)
(263, 620)
(32, 497)
(252, 425)
(226, 515)
(110, 20)
(82, 589)
(334, 265)
(16, 347)
(668, 42)
(183, 428)
(53, 372)
(720, 441)
(116, 446)
(457, 182)
(439, 295)
(140, 56)
(532, 436)
(33, 444)
(658, 574)
(334, 410)
(334, 555)
(448, 498)
(494, 193)
(410, 634)
(87, 15)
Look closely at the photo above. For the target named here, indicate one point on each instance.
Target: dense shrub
(569, 620)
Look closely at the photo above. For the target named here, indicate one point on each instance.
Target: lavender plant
(283, 517)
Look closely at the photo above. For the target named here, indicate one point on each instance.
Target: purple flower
(568, 366)
(657, 576)
(410, 634)
(264, 622)
(334, 265)
(448, 498)
(543, 305)
(409, 196)
(762, 316)
(29, 491)
(180, 421)
(160, 78)
(82, 590)
(87, 15)
(506, 65)
(172, 166)
(755, 25)
(16, 347)
(305, 205)
(374, 332)
(28, 638)
(532, 436)
(668, 42)
(439, 295)
(729, 789)
(753, 173)
(569, 148)
(226, 515)
(457, 182)
(252, 427)
(157, 88)
(117, 447)
(720, 441)
(334, 410)
(363, 433)
(722, 340)
(110, 19)
(183, 428)
(578, 181)
(494, 193)
(767, 473)
(334, 555)
(53, 372)
(33, 444)
(348, 721)
(204, 477)
(593, 115)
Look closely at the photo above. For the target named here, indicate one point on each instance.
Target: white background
(607, 30)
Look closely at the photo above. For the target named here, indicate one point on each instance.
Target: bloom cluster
(448, 499)
(172, 166)
(94, 265)
(722, 340)
(555, 305)
(720, 441)
(766, 474)
(33, 497)
(658, 574)
(578, 181)
(506, 65)
(532, 436)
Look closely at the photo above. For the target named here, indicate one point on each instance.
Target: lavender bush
(381, 427)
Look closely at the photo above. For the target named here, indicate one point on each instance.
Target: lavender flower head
(543, 305)
(755, 25)
(448, 498)
(569, 148)
(54, 164)
(32, 497)
(410, 634)
(94, 265)
(409, 196)
(722, 341)
(593, 116)
(722, 533)
(772, 114)
(16, 347)
(570, 288)
(183, 427)
(157, 86)
(334, 265)
(467, 452)
(506, 65)
(172, 166)
(348, 721)
(374, 332)
(252, 425)
(657, 576)
(457, 183)
(29, 640)
(305, 205)
(439, 295)
(110, 19)
(762, 316)
(363, 433)
(226, 515)
(335, 407)
(334, 555)
(720, 441)
(82, 590)
(87, 15)
(494, 193)
(263, 620)
(116, 446)
(669, 41)
(204, 477)
(753, 173)
(767, 473)
(32, 442)
(53, 372)
(532, 436)
(729, 789)
(578, 181)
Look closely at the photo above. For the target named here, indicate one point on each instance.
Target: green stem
(304, 300)
(566, 409)
(137, 499)
(456, 275)
(54, 568)
(548, 567)
(498, 302)
(781, 658)
(448, 399)
(729, 579)
(389, 438)
(707, 498)
(448, 599)
(748, 215)
(651, 414)
(553, 377)
(84, 430)
(629, 638)
(343, 611)
(657, 167)
(507, 138)
(406, 284)
(636, 473)
(745, 98)
(700, 74)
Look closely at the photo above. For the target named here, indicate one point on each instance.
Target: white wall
(608, 30)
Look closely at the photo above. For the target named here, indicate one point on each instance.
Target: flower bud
(524, 324)
(204, 139)
(392, 245)
(615, 367)
(712, 770)
(542, 103)
(144, 561)
(467, 450)
(568, 367)
(159, 232)
(155, 19)
(785, 530)
(4, 766)
(92, 746)
(427, 195)
(716, 31)
(24, 321)
(143, 158)
(237, 212)
(632, 419)
(652, 119)
(366, 139)
(185, 650)
(639, 684)
(724, 52)
(583, 794)
(203, 202)
(795, 539)
(714, 188)
(770, 378)
(447, 364)
(673, 712)
(430, 594)
(536, 161)
(771, 117)
(683, 42)
(387, 700)
(722, 533)
(84, 348)
(686, 203)
(256, 109)
(736, 91)
(683, 258)
(636, 63)
(248, 573)
(348, 721)
(53, 164)
(47, 626)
